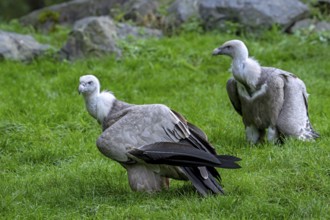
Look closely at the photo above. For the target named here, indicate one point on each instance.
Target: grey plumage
(155, 143)
(266, 97)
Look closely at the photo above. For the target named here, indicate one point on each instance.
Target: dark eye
(228, 47)
(90, 82)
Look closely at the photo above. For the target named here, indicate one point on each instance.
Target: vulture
(267, 98)
(153, 143)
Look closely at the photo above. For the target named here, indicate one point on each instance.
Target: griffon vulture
(266, 97)
(153, 143)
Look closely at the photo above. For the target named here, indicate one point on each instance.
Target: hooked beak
(80, 89)
(217, 51)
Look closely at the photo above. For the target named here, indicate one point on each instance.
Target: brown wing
(233, 95)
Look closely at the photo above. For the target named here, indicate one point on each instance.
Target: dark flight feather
(203, 186)
(182, 154)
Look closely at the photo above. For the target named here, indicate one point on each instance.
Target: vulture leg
(141, 178)
(252, 134)
(273, 134)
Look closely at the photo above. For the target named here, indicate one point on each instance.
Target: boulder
(69, 12)
(252, 14)
(311, 25)
(322, 26)
(183, 10)
(125, 30)
(170, 14)
(96, 36)
(20, 47)
(143, 12)
(147, 13)
(91, 36)
(180, 12)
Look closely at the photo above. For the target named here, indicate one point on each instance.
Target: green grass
(50, 167)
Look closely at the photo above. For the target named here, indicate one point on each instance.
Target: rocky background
(97, 26)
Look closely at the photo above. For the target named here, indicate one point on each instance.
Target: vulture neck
(99, 104)
(246, 70)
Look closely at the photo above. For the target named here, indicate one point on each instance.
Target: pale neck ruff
(99, 105)
(246, 71)
(237, 68)
(91, 103)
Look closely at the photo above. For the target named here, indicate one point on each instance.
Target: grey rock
(322, 26)
(170, 14)
(140, 11)
(180, 12)
(20, 47)
(147, 13)
(183, 10)
(311, 25)
(91, 36)
(69, 12)
(96, 36)
(252, 14)
(302, 24)
(125, 30)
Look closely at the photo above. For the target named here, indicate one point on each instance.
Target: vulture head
(232, 48)
(88, 85)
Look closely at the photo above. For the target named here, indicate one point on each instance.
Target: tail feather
(180, 154)
(216, 182)
(197, 182)
(204, 186)
(198, 165)
(308, 132)
(228, 157)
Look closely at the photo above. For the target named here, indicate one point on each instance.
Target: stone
(183, 10)
(310, 25)
(91, 36)
(97, 36)
(252, 14)
(19, 47)
(322, 26)
(180, 12)
(69, 12)
(140, 10)
(125, 30)
(146, 13)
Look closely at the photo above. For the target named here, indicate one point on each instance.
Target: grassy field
(50, 167)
